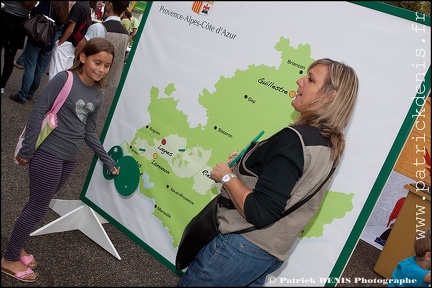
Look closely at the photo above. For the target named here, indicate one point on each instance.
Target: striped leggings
(47, 175)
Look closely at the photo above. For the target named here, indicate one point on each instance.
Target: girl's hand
(21, 161)
(115, 171)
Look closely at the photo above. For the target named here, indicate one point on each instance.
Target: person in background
(130, 23)
(53, 162)
(19, 63)
(93, 7)
(100, 10)
(113, 30)
(272, 176)
(415, 271)
(104, 16)
(63, 55)
(13, 14)
(37, 57)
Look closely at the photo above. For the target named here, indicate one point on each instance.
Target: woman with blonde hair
(271, 177)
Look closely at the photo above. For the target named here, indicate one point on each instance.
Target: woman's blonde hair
(332, 117)
(92, 47)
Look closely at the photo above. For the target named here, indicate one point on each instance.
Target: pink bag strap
(61, 98)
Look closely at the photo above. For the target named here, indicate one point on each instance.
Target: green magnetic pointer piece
(127, 181)
(245, 149)
(116, 152)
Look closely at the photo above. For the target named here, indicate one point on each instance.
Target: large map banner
(204, 78)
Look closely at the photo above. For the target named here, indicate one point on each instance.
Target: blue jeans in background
(20, 59)
(36, 60)
(230, 260)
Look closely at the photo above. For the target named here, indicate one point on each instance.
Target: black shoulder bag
(40, 28)
(204, 227)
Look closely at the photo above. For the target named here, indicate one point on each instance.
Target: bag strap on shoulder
(294, 207)
(61, 98)
(309, 135)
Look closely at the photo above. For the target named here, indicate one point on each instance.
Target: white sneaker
(2, 90)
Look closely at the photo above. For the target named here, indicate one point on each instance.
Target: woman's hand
(21, 161)
(219, 171)
(222, 169)
(232, 155)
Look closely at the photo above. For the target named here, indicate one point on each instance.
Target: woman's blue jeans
(36, 60)
(230, 260)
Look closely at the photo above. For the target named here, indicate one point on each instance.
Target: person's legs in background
(9, 55)
(31, 55)
(12, 39)
(42, 64)
(19, 62)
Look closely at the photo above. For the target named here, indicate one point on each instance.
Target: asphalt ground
(70, 258)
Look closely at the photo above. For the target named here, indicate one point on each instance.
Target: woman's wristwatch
(227, 178)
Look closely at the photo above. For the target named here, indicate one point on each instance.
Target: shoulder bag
(40, 28)
(49, 123)
(204, 226)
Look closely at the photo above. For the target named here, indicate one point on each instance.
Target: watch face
(226, 178)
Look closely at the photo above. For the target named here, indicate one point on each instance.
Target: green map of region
(335, 206)
(175, 160)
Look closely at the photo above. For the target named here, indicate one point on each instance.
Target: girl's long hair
(332, 117)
